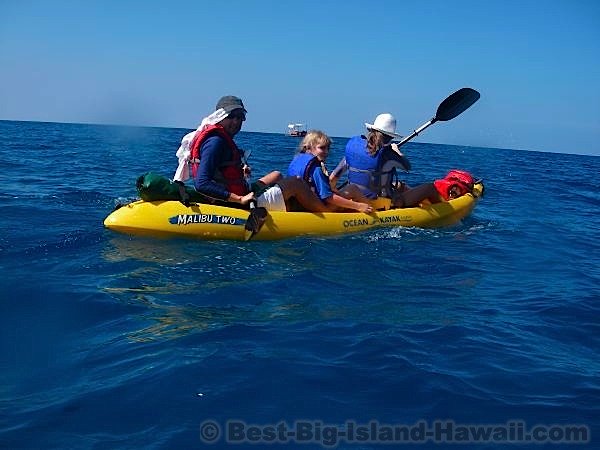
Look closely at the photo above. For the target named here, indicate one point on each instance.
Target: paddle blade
(255, 221)
(456, 104)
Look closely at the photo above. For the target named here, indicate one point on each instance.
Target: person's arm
(398, 156)
(334, 200)
(341, 202)
(335, 175)
(241, 199)
(212, 154)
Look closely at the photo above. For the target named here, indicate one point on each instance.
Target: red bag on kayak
(455, 184)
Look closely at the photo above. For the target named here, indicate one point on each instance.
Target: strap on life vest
(374, 175)
(312, 164)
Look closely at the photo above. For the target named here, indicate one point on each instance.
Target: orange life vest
(230, 173)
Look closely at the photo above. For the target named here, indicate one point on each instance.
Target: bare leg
(353, 192)
(301, 191)
(412, 197)
(271, 178)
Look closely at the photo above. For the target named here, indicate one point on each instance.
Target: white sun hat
(386, 123)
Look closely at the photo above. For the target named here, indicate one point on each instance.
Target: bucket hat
(230, 103)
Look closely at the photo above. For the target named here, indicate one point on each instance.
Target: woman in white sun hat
(372, 162)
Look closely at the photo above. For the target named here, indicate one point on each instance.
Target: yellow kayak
(211, 222)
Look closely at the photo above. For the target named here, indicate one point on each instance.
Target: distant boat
(296, 130)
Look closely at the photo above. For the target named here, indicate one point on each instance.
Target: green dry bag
(152, 187)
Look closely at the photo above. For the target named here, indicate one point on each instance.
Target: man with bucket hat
(220, 171)
(219, 168)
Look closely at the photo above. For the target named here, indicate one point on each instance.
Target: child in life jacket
(309, 165)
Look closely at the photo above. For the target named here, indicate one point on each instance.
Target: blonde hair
(376, 140)
(312, 139)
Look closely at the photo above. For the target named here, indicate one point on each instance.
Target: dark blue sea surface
(115, 342)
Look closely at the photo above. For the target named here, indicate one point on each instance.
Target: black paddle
(258, 214)
(454, 105)
(256, 219)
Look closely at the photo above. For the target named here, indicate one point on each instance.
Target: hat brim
(387, 133)
(230, 109)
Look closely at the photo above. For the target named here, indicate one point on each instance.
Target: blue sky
(331, 64)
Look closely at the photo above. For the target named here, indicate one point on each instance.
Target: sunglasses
(237, 115)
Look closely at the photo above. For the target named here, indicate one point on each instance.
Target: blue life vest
(363, 169)
(302, 166)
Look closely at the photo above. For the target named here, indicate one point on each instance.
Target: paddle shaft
(416, 132)
(452, 106)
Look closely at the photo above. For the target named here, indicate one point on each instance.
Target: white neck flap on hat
(184, 152)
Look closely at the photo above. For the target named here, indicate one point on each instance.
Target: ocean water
(115, 342)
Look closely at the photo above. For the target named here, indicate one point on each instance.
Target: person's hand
(247, 198)
(365, 208)
(396, 148)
